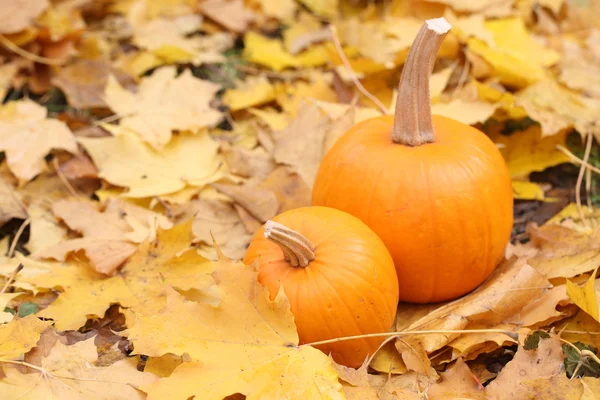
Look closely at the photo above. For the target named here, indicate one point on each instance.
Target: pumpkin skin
(350, 288)
(443, 209)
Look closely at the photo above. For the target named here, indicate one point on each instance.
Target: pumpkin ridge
(431, 218)
(340, 300)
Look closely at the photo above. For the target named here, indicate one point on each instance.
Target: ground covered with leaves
(144, 142)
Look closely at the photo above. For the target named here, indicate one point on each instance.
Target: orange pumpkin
(337, 274)
(436, 191)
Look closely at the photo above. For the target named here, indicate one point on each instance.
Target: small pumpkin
(436, 191)
(337, 274)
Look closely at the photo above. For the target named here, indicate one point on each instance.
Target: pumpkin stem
(297, 249)
(413, 125)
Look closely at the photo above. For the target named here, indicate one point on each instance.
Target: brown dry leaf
(232, 14)
(10, 206)
(108, 237)
(255, 163)
(164, 102)
(167, 260)
(218, 220)
(543, 311)
(281, 9)
(71, 372)
(564, 252)
(7, 74)
(18, 15)
(466, 112)
(27, 136)
(554, 388)
(513, 285)
(457, 382)
(83, 82)
(289, 187)
(304, 31)
(557, 108)
(237, 347)
(578, 72)
(261, 203)
(544, 362)
(301, 143)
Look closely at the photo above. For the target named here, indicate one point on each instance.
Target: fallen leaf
(586, 297)
(254, 91)
(304, 152)
(83, 82)
(513, 285)
(271, 53)
(18, 15)
(563, 252)
(126, 161)
(255, 163)
(524, 190)
(581, 327)
(466, 112)
(167, 260)
(457, 382)
(7, 74)
(10, 206)
(70, 373)
(289, 188)
(19, 336)
(489, 8)
(27, 136)
(162, 104)
(261, 346)
(528, 150)
(261, 203)
(322, 8)
(108, 237)
(303, 32)
(232, 14)
(544, 362)
(281, 9)
(557, 108)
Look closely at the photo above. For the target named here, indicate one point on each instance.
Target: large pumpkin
(435, 190)
(337, 274)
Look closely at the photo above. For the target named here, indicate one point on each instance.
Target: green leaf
(27, 308)
(575, 363)
(9, 310)
(532, 341)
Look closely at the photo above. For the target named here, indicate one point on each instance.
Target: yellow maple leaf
(168, 260)
(585, 297)
(271, 53)
(516, 58)
(70, 373)
(248, 344)
(254, 91)
(527, 151)
(27, 136)
(20, 335)
(164, 103)
(524, 190)
(128, 162)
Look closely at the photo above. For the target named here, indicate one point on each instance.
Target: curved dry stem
(355, 80)
(413, 125)
(4, 41)
(586, 157)
(297, 249)
(511, 334)
(13, 245)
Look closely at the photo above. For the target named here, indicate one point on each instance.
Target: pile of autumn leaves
(139, 268)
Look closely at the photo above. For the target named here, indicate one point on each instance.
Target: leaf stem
(511, 334)
(413, 125)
